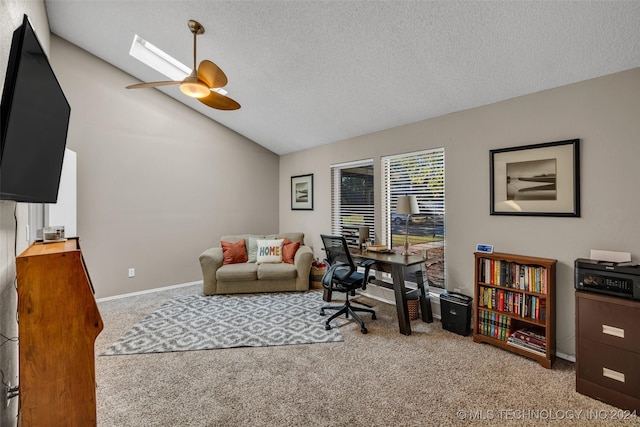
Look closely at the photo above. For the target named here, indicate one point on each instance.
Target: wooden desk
(398, 265)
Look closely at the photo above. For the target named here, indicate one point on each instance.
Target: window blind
(420, 174)
(352, 196)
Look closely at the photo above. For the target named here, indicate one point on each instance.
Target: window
(420, 174)
(352, 196)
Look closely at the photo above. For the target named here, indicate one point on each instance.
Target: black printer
(621, 279)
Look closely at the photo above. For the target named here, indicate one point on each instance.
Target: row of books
(523, 305)
(529, 339)
(493, 324)
(513, 275)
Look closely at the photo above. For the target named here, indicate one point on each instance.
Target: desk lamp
(407, 205)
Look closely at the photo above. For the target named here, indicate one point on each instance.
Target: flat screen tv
(34, 119)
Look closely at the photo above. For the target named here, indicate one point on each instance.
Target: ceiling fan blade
(219, 102)
(211, 74)
(152, 84)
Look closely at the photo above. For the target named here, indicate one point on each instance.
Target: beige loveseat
(251, 276)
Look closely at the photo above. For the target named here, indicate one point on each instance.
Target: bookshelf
(514, 306)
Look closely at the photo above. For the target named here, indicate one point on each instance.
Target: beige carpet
(430, 378)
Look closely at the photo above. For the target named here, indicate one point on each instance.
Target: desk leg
(425, 299)
(397, 274)
(326, 295)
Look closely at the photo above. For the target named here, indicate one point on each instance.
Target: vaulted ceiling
(314, 72)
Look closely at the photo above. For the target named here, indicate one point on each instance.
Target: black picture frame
(536, 180)
(302, 192)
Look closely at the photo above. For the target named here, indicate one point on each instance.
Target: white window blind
(420, 174)
(352, 196)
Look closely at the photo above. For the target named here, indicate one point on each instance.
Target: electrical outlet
(132, 272)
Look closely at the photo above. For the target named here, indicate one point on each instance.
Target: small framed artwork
(302, 192)
(536, 180)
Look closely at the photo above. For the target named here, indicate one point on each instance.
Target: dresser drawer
(610, 367)
(609, 320)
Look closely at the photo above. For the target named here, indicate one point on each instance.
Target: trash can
(455, 311)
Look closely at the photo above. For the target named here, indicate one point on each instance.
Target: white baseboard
(567, 357)
(149, 291)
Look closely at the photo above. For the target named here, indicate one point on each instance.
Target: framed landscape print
(536, 180)
(302, 192)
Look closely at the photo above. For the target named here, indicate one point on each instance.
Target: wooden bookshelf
(514, 306)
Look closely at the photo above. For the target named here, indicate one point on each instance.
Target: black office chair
(342, 276)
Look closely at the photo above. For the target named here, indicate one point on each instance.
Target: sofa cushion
(289, 250)
(237, 272)
(281, 271)
(233, 253)
(294, 237)
(270, 250)
(252, 249)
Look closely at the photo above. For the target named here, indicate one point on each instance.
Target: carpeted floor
(383, 378)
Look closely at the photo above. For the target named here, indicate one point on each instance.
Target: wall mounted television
(34, 120)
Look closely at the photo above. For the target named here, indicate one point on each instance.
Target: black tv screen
(34, 119)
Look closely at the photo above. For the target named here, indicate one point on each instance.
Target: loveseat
(249, 263)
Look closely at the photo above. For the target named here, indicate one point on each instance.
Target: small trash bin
(413, 304)
(455, 311)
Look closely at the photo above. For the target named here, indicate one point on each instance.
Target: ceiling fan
(199, 83)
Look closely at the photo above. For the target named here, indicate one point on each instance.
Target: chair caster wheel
(373, 316)
(363, 330)
(327, 327)
(321, 312)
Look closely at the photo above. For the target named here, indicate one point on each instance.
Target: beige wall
(158, 183)
(12, 236)
(603, 113)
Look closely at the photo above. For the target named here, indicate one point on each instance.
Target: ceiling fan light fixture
(194, 89)
(203, 83)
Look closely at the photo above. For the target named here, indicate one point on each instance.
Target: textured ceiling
(313, 72)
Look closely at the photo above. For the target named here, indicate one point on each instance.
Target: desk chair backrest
(338, 253)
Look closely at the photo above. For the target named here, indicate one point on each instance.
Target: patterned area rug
(197, 322)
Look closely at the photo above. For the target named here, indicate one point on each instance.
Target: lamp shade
(407, 205)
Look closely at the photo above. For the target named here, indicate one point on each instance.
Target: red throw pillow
(234, 253)
(289, 250)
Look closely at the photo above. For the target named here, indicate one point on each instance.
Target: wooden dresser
(58, 325)
(608, 349)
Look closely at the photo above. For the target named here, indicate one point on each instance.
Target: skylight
(161, 61)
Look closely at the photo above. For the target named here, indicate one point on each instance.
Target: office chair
(342, 276)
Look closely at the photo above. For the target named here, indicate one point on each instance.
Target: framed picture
(536, 180)
(302, 192)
